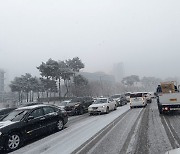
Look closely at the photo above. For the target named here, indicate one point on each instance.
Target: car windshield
(75, 100)
(64, 103)
(100, 101)
(15, 115)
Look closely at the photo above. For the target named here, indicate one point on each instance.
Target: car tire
(107, 110)
(81, 111)
(160, 110)
(13, 142)
(60, 125)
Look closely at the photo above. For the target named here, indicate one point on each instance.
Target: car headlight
(0, 133)
(103, 106)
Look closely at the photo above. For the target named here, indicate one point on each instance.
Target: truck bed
(169, 99)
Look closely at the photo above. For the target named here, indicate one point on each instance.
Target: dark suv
(78, 105)
(123, 100)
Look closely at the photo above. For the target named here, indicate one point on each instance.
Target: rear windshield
(100, 101)
(76, 100)
(138, 95)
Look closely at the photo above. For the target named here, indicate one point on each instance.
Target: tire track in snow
(130, 142)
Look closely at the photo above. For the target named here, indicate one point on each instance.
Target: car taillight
(166, 108)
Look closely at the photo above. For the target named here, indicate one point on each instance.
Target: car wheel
(107, 110)
(81, 111)
(13, 142)
(160, 109)
(60, 125)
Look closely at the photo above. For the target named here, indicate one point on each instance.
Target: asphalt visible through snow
(141, 131)
(124, 131)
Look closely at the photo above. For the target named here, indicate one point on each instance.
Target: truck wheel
(160, 110)
(90, 114)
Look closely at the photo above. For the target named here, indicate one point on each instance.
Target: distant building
(118, 71)
(98, 76)
(1, 85)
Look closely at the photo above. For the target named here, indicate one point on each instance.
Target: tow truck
(169, 97)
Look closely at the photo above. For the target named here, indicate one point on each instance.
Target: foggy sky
(143, 34)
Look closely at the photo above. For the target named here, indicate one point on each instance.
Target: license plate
(173, 99)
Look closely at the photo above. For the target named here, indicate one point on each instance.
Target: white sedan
(102, 105)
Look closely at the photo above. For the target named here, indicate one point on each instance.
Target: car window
(48, 110)
(136, 95)
(110, 99)
(100, 101)
(37, 113)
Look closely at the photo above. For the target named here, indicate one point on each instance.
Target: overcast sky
(143, 34)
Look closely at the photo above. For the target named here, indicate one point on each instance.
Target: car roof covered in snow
(33, 106)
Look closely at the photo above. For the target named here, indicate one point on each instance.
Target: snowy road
(73, 136)
(139, 130)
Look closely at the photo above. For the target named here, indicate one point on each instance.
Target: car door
(51, 117)
(85, 104)
(34, 123)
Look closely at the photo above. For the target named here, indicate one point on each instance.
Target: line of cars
(33, 119)
(80, 105)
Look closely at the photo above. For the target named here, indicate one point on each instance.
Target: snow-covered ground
(73, 136)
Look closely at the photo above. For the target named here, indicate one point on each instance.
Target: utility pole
(102, 90)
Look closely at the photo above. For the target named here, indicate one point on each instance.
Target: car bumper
(65, 119)
(98, 110)
(170, 107)
(2, 141)
(72, 112)
(137, 103)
